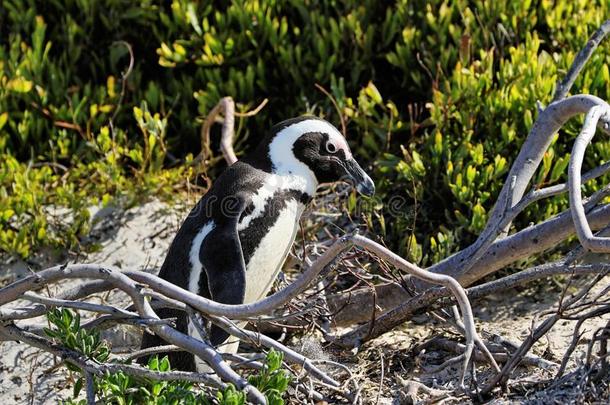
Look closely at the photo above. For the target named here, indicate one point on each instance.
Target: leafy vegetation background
(438, 97)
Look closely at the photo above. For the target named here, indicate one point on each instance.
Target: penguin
(232, 245)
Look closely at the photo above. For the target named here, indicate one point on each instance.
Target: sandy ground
(507, 315)
(139, 238)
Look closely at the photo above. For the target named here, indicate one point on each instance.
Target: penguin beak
(363, 183)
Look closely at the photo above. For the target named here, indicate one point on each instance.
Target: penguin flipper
(224, 266)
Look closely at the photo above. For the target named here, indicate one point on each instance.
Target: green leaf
(373, 93)
(20, 85)
(7, 214)
(418, 164)
(3, 119)
(191, 14)
(77, 387)
(471, 173)
(153, 363)
(41, 233)
(164, 364)
(559, 168)
(274, 360)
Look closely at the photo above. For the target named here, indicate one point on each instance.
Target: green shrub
(438, 96)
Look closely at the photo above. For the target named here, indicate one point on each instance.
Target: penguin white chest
(268, 257)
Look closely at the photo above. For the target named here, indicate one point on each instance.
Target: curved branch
(448, 282)
(84, 306)
(290, 355)
(245, 311)
(583, 230)
(552, 191)
(226, 106)
(253, 112)
(15, 290)
(127, 284)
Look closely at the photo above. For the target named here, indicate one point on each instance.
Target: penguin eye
(331, 147)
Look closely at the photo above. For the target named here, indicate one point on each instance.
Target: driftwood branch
(466, 264)
(225, 106)
(579, 216)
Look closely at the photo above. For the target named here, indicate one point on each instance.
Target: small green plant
(117, 388)
(123, 389)
(272, 380)
(66, 329)
(231, 396)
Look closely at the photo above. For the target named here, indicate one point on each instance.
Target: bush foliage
(438, 96)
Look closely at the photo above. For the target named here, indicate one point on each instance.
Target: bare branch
(252, 113)
(244, 311)
(152, 350)
(525, 243)
(562, 89)
(225, 106)
(124, 76)
(336, 105)
(290, 355)
(448, 282)
(583, 230)
(535, 335)
(84, 306)
(90, 388)
(502, 357)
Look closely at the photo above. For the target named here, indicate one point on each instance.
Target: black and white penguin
(232, 245)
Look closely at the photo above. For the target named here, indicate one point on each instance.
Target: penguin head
(312, 147)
